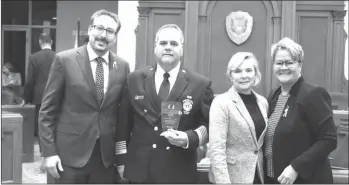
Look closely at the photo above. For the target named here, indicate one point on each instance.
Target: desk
(11, 148)
(27, 111)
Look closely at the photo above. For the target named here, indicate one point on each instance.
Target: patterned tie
(100, 79)
(164, 88)
(99, 84)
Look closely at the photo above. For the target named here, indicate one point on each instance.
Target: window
(14, 12)
(44, 13)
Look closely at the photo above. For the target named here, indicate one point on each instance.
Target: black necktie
(100, 79)
(165, 87)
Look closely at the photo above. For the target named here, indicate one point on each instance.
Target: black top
(252, 107)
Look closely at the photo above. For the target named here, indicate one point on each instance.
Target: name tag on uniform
(139, 97)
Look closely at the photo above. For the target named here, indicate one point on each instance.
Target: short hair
(45, 38)
(9, 66)
(295, 50)
(107, 13)
(174, 26)
(237, 59)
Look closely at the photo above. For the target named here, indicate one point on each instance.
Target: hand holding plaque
(171, 112)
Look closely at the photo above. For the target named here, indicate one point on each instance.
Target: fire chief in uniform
(148, 152)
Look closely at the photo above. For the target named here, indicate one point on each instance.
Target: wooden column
(142, 37)
(288, 20)
(338, 50)
(191, 34)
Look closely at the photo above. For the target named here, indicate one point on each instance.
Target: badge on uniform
(187, 105)
(114, 65)
(139, 97)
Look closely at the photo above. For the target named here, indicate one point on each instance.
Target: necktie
(164, 88)
(100, 79)
(99, 84)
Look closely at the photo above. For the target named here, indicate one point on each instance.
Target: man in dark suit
(77, 119)
(154, 154)
(37, 74)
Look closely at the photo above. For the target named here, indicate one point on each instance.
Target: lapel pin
(285, 112)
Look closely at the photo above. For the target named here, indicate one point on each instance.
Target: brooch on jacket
(285, 111)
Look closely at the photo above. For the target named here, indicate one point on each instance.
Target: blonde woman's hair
(237, 59)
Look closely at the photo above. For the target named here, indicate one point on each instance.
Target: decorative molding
(339, 15)
(206, 6)
(202, 17)
(162, 4)
(137, 28)
(143, 11)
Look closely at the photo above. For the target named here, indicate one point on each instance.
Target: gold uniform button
(156, 128)
(168, 148)
(154, 145)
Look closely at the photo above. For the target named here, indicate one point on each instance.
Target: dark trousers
(94, 172)
(269, 180)
(256, 179)
(36, 124)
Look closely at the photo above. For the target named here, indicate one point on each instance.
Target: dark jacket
(70, 113)
(306, 135)
(147, 151)
(37, 74)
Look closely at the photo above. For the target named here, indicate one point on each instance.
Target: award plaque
(170, 114)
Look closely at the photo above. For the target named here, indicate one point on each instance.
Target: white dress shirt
(93, 62)
(159, 76)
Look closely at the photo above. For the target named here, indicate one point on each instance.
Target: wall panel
(314, 35)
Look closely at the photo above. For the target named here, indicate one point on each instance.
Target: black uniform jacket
(139, 127)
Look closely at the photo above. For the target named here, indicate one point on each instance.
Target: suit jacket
(305, 135)
(70, 113)
(234, 151)
(140, 114)
(37, 74)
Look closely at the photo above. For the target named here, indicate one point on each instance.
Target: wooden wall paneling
(152, 15)
(159, 17)
(314, 34)
(217, 49)
(338, 50)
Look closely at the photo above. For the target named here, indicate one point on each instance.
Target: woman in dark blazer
(301, 131)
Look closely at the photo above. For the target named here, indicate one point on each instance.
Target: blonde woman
(238, 121)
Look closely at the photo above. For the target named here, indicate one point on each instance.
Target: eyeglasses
(288, 63)
(99, 29)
